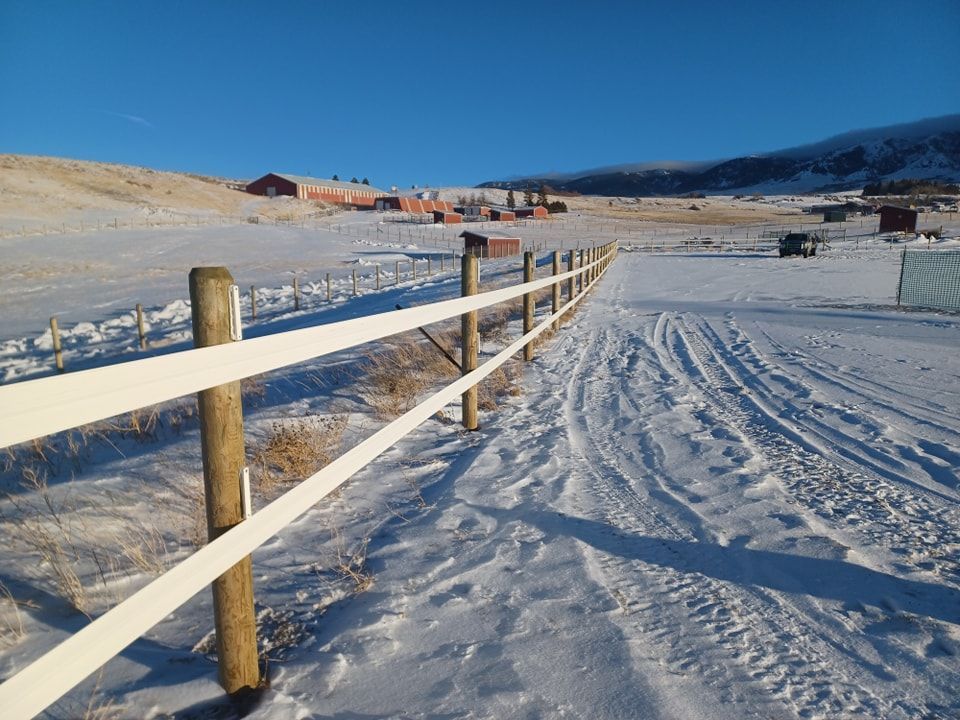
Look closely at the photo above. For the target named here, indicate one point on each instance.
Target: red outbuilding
(307, 188)
(498, 214)
(897, 219)
(489, 246)
(447, 218)
(536, 211)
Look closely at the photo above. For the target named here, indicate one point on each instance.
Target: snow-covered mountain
(928, 149)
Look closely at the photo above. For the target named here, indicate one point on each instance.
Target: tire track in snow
(823, 438)
(736, 640)
(907, 524)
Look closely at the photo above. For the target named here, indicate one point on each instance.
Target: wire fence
(930, 279)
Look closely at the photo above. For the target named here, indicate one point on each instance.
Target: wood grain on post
(469, 338)
(528, 304)
(296, 294)
(355, 292)
(378, 277)
(429, 267)
(572, 280)
(413, 265)
(555, 296)
(396, 278)
(141, 332)
(253, 302)
(221, 443)
(57, 349)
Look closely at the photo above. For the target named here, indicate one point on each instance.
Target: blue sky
(458, 93)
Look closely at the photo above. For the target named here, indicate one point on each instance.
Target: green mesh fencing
(930, 279)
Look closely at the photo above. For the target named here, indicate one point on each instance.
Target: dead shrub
(295, 449)
(352, 564)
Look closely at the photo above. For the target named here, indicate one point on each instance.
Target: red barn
(537, 211)
(498, 214)
(307, 188)
(897, 219)
(489, 246)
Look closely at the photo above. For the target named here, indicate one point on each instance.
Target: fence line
(930, 279)
(44, 406)
(47, 679)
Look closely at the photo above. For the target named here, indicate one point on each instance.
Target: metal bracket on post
(245, 492)
(236, 327)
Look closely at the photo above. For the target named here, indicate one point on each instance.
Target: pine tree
(528, 197)
(365, 181)
(354, 179)
(335, 178)
(542, 196)
(511, 202)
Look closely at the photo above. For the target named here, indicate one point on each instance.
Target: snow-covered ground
(729, 489)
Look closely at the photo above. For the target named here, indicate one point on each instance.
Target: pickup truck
(798, 244)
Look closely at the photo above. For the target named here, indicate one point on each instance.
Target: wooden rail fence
(41, 407)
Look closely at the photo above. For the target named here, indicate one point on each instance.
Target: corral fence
(930, 279)
(45, 406)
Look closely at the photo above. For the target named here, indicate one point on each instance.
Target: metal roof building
(488, 246)
(308, 188)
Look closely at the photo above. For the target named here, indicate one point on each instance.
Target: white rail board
(55, 673)
(36, 408)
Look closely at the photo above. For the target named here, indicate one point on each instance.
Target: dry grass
(295, 449)
(502, 382)
(395, 376)
(11, 623)
(54, 530)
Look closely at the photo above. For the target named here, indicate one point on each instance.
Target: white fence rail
(40, 407)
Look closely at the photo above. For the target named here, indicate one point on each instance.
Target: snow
(728, 489)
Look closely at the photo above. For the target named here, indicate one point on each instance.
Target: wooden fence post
(469, 341)
(413, 265)
(355, 293)
(555, 297)
(221, 442)
(572, 280)
(580, 277)
(396, 278)
(253, 303)
(296, 293)
(528, 303)
(329, 289)
(378, 276)
(140, 330)
(57, 350)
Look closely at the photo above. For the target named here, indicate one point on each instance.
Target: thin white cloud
(135, 119)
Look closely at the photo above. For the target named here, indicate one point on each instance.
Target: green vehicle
(799, 244)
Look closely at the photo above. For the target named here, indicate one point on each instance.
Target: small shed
(897, 219)
(498, 214)
(535, 211)
(447, 218)
(834, 215)
(489, 246)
